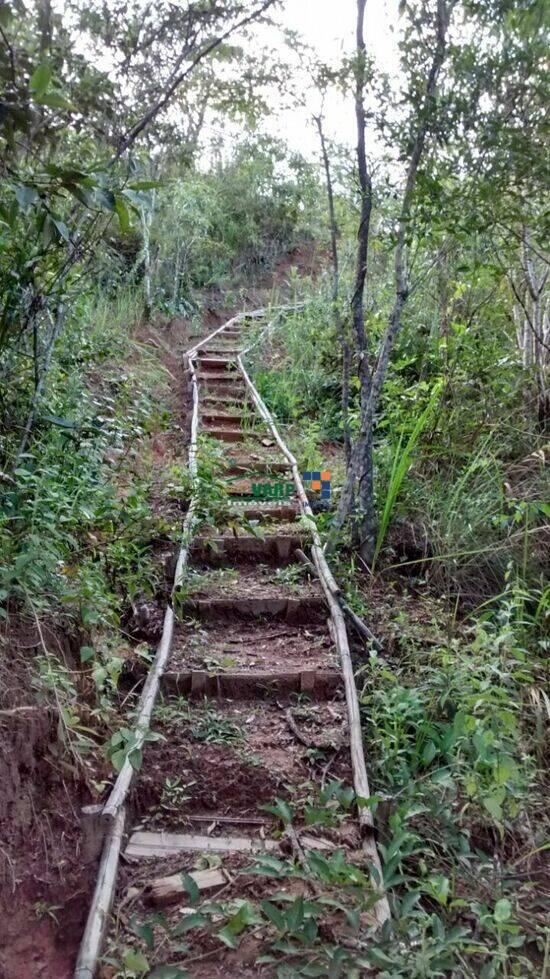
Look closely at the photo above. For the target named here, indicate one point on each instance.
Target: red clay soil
(44, 891)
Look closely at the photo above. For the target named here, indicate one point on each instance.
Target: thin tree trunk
(146, 219)
(359, 460)
(339, 326)
(177, 276)
(57, 326)
(362, 468)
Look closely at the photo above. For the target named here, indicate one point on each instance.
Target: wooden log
(147, 703)
(247, 683)
(168, 890)
(102, 900)
(151, 844)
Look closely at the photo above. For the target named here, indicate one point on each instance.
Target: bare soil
(247, 646)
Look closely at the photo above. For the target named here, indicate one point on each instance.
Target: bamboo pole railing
(340, 636)
(102, 901)
(114, 812)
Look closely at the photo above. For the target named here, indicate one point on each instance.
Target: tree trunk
(359, 462)
(146, 219)
(362, 466)
(339, 326)
(57, 326)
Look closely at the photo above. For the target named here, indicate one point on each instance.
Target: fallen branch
(13, 711)
(296, 730)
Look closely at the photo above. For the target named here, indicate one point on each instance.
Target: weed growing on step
(291, 576)
(213, 727)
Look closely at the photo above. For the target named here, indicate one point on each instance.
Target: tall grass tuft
(400, 466)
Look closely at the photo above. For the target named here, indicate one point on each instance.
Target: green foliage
(69, 538)
(400, 466)
(456, 752)
(212, 727)
(211, 229)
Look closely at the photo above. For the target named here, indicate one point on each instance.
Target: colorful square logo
(319, 482)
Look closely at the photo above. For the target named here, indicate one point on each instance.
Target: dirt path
(252, 714)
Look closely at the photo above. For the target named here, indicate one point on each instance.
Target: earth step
(225, 434)
(151, 844)
(261, 684)
(221, 550)
(214, 376)
(235, 391)
(260, 467)
(163, 891)
(301, 657)
(266, 512)
(251, 607)
(212, 399)
(211, 415)
(222, 352)
(216, 363)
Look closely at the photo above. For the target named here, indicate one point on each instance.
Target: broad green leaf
(190, 887)
(118, 758)
(227, 937)
(143, 930)
(40, 79)
(503, 910)
(272, 912)
(195, 920)
(136, 962)
(122, 212)
(378, 957)
(135, 757)
(429, 753)
(53, 100)
(493, 805)
(86, 653)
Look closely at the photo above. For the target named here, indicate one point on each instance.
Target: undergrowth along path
(255, 751)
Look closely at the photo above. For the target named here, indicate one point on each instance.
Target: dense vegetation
(414, 365)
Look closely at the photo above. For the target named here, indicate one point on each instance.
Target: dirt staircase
(252, 707)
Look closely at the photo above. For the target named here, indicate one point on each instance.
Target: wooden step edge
(145, 843)
(272, 547)
(244, 684)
